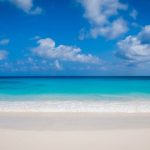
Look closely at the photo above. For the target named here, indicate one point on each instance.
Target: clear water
(75, 94)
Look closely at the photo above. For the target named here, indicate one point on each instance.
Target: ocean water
(75, 94)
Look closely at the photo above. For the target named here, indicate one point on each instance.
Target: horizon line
(69, 76)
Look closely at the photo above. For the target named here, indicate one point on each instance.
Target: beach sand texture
(74, 131)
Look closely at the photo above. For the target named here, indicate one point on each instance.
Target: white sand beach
(74, 131)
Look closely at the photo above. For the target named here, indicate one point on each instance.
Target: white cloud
(4, 41)
(3, 54)
(144, 36)
(37, 37)
(26, 5)
(136, 48)
(103, 16)
(36, 11)
(57, 65)
(134, 14)
(115, 29)
(47, 49)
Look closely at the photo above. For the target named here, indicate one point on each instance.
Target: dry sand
(74, 131)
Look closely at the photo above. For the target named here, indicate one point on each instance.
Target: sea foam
(73, 103)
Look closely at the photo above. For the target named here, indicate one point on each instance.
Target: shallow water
(75, 94)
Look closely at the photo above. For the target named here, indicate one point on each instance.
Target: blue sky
(74, 37)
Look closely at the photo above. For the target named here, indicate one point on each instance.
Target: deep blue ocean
(87, 94)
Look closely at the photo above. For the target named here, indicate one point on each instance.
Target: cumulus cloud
(103, 16)
(136, 48)
(26, 5)
(3, 54)
(115, 29)
(4, 41)
(47, 49)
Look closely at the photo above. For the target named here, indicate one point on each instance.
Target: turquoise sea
(75, 94)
